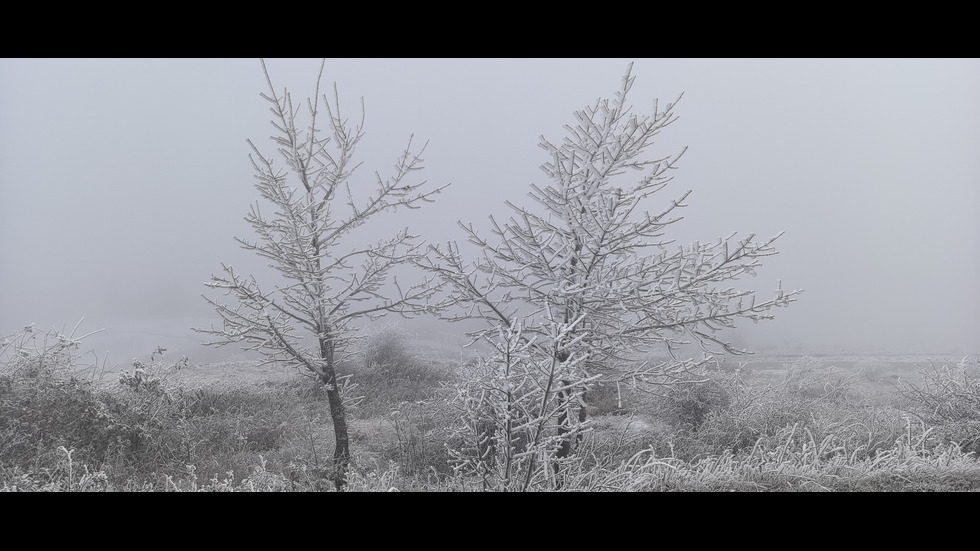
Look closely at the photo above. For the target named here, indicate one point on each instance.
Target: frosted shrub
(949, 398)
(46, 403)
(515, 412)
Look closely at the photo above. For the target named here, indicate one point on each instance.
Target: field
(770, 423)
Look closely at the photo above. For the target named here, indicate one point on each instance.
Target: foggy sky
(123, 182)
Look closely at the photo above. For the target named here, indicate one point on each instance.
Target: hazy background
(123, 182)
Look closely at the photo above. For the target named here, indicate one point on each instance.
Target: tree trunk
(566, 442)
(341, 452)
(565, 450)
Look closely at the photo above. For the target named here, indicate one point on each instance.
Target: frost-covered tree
(328, 283)
(587, 251)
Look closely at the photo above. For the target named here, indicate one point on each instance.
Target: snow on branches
(588, 245)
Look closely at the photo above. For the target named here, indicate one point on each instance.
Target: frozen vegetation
(173, 425)
(599, 354)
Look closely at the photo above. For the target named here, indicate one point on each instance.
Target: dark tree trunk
(341, 452)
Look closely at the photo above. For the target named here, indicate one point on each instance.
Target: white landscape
(490, 275)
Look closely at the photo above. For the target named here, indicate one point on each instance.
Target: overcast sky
(123, 182)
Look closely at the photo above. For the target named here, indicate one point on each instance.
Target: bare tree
(329, 284)
(587, 252)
